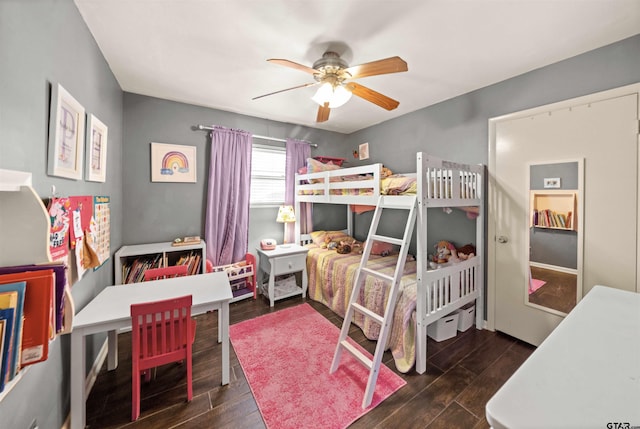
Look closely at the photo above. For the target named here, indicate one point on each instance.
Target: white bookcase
(163, 254)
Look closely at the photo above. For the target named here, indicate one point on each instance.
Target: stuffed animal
(385, 172)
(445, 252)
(357, 247)
(343, 247)
(467, 251)
(330, 244)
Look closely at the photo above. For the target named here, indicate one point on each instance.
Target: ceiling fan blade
(323, 113)
(372, 96)
(288, 89)
(293, 65)
(388, 65)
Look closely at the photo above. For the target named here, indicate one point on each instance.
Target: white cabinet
(132, 261)
(284, 259)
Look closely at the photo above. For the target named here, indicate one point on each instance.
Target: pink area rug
(286, 356)
(535, 285)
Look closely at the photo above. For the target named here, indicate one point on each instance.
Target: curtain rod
(275, 139)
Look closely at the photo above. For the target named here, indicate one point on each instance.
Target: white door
(603, 131)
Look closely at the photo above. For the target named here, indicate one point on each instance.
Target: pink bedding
(392, 185)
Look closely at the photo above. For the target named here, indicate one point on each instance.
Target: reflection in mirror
(554, 242)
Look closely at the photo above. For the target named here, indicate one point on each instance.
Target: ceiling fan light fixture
(336, 96)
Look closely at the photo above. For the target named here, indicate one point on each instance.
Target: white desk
(586, 374)
(110, 311)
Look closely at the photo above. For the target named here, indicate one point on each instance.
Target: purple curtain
(227, 221)
(297, 154)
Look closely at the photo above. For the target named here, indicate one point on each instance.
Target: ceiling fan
(335, 78)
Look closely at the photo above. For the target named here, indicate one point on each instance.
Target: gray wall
(43, 43)
(155, 212)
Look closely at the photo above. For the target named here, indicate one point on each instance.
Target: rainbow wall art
(173, 162)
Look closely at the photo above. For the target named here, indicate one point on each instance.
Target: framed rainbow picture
(173, 163)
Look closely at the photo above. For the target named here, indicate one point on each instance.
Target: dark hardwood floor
(559, 291)
(462, 375)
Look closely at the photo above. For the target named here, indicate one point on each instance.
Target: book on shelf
(39, 324)
(192, 261)
(563, 221)
(7, 320)
(549, 219)
(3, 322)
(59, 270)
(133, 272)
(8, 304)
(16, 337)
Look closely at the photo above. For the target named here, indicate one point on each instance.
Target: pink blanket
(331, 279)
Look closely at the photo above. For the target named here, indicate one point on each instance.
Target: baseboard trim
(554, 268)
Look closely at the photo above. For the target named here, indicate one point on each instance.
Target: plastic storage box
(444, 328)
(466, 317)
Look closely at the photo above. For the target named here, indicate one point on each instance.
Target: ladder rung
(367, 312)
(357, 354)
(386, 239)
(401, 202)
(378, 274)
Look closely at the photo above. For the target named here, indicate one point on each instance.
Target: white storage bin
(444, 328)
(466, 317)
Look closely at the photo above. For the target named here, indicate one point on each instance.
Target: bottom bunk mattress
(331, 280)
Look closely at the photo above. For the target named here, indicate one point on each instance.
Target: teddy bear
(344, 247)
(467, 251)
(385, 172)
(329, 243)
(445, 252)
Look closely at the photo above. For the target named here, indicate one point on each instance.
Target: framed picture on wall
(66, 135)
(364, 151)
(173, 163)
(96, 162)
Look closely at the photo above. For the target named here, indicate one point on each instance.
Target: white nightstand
(284, 259)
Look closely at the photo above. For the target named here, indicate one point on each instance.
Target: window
(267, 175)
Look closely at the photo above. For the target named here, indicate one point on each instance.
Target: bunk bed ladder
(394, 202)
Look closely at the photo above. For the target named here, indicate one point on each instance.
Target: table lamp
(286, 215)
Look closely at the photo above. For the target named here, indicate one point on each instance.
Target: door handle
(502, 239)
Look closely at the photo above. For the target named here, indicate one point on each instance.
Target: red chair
(161, 332)
(165, 272)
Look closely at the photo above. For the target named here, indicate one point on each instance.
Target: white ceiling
(213, 52)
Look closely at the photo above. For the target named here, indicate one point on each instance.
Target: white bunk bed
(432, 293)
(446, 289)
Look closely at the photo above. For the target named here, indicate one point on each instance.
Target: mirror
(555, 236)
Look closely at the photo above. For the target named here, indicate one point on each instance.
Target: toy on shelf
(445, 252)
(242, 277)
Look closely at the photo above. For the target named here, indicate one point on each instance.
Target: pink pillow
(381, 248)
(315, 166)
